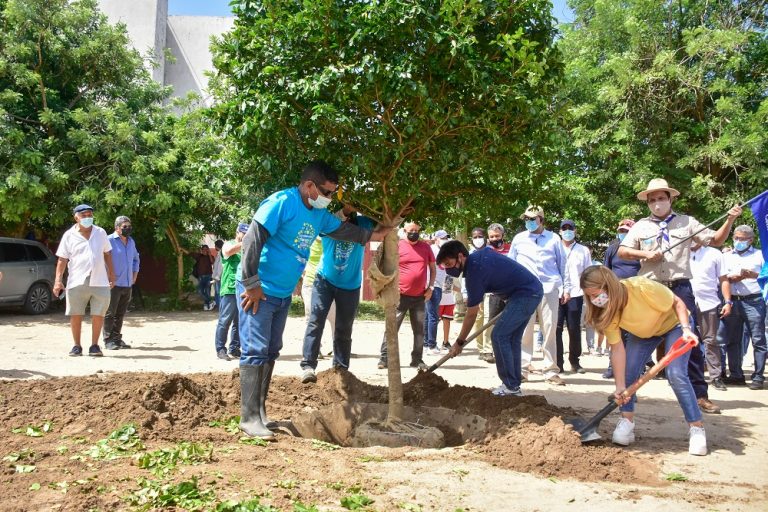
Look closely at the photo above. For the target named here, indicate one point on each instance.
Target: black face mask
(413, 237)
(497, 243)
(454, 271)
(126, 231)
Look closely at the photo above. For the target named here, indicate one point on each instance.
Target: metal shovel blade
(587, 433)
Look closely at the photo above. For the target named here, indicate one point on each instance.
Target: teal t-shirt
(292, 229)
(342, 262)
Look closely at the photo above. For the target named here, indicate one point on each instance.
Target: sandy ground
(731, 477)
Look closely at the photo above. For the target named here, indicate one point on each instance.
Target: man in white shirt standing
(708, 274)
(742, 266)
(85, 252)
(541, 252)
(578, 258)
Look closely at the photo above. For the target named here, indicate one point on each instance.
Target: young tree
(416, 103)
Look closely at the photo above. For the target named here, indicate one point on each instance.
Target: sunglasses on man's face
(324, 192)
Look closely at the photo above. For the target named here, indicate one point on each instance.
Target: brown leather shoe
(555, 380)
(706, 405)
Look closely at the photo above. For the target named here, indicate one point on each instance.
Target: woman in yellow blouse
(652, 315)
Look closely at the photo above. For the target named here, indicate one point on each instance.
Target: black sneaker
(719, 384)
(77, 350)
(222, 354)
(95, 351)
(446, 346)
(112, 345)
(123, 344)
(234, 353)
(608, 374)
(733, 381)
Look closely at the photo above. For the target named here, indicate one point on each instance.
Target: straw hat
(655, 185)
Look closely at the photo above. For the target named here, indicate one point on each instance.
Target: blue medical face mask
(568, 235)
(621, 236)
(86, 222)
(741, 245)
(531, 224)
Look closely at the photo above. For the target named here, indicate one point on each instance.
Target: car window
(10, 252)
(36, 253)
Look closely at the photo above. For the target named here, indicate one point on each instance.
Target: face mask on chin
(321, 202)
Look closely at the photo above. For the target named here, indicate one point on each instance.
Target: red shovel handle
(678, 348)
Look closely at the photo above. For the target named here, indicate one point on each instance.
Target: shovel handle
(469, 338)
(678, 348)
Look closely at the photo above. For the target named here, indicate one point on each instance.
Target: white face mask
(600, 301)
(86, 222)
(321, 202)
(479, 243)
(661, 208)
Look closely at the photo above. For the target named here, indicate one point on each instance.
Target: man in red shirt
(417, 267)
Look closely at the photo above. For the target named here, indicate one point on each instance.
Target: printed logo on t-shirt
(341, 255)
(305, 237)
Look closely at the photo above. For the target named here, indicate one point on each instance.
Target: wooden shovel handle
(678, 348)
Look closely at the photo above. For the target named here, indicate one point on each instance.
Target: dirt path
(475, 476)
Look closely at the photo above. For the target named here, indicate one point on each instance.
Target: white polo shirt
(751, 259)
(86, 256)
(578, 258)
(706, 269)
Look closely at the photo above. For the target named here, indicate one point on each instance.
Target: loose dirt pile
(525, 433)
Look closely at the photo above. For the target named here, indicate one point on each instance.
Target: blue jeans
(323, 295)
(433, 318)
(204, 288)
(507, 336)
(640, 349)
(696, 363)
(228, 316)
(750, 314)
(261, 333)
(217, 290)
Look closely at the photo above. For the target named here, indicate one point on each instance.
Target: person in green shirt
(228, 314)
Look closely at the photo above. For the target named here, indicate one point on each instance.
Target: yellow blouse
(648, 311)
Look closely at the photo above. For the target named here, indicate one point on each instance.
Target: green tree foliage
(673, 89)
(81, 121)
(417, 103)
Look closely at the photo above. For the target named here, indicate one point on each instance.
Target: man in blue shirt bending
(486, 271)
(275, 251)
(125, 261)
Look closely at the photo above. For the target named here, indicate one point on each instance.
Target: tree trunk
(173, 237)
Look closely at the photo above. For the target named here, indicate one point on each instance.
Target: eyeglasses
(324, 192)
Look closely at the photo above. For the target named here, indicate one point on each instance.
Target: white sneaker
(503, 390)
(308, 376)
(624, 433)
(697, 441)
(434, 351)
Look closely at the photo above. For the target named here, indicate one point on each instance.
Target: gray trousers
(113, 320)
(415, 307)
(709, 321)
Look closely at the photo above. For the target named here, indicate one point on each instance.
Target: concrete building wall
(189, 38)
(146, 21)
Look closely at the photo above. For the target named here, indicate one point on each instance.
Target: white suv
(28, 271)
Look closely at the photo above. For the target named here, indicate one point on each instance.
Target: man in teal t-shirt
(275, 251)
(228, 314)
(338, 280)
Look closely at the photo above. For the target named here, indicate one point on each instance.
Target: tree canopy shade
(674, 89)
(414, 102)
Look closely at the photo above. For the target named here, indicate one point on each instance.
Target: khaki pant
(546, 313)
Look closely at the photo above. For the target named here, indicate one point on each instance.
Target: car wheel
(38, 299)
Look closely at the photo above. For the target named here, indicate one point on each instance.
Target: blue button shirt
(543, 255)
(342, 262)
(125, 260)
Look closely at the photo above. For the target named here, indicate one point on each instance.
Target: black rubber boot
(266, 379)
(251, 381)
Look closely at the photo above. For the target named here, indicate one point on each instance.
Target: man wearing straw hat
(662, 243)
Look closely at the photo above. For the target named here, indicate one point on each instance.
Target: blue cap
(242, 227)
(81, 208)
(441, 233)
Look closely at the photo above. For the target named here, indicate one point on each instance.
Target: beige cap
(533, 211)
(657, 184)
